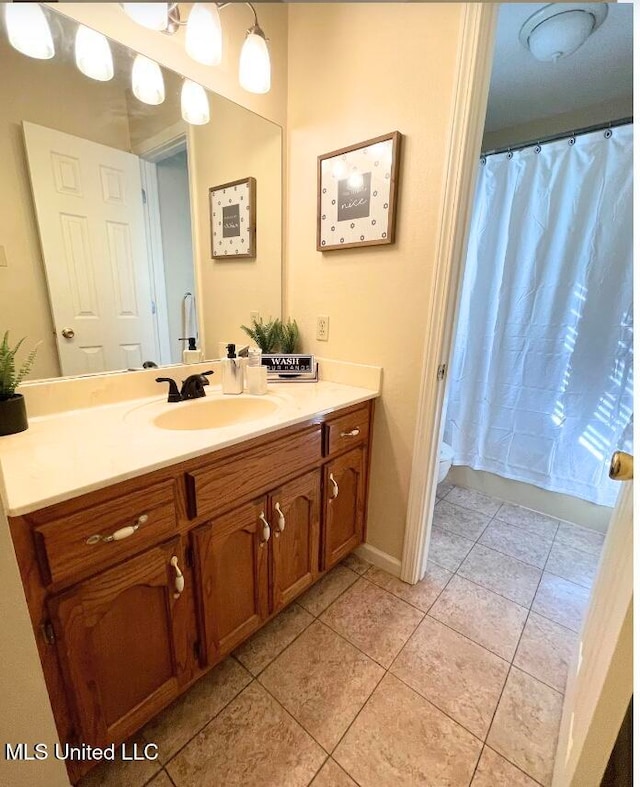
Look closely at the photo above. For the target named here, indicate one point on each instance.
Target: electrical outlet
(3, 258)
(322, 328)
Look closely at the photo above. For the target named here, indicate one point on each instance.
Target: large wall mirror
(105, 236)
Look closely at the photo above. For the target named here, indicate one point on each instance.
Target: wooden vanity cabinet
(232, 581)
(344, 506)
(254, 560)
(249, 527)
(120, 642)
(295, 538)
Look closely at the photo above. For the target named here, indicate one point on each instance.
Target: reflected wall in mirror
(106, 230)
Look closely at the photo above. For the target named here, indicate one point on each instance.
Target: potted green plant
(289, 337)
(265, 334)
(13, 413)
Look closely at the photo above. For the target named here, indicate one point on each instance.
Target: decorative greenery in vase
(289, 337)
(10, 378)
(274, 336)
(265, 334)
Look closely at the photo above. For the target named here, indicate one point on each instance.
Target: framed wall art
(357, 194)
(232, 207)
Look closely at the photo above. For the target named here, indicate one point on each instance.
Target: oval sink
(214, 413)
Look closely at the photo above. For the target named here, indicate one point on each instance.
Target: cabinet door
(232, 576)
(121, 640)
(344, 489)
(295, 546)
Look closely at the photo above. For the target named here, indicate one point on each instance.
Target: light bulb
(203, 40)
(154, 16)
(28, 30)
(194, 103)
(93, 54)
(255, 65)
(146, 80)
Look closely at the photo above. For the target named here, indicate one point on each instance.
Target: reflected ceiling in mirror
(107, 238)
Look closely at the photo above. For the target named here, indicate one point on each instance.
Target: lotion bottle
(232, 372)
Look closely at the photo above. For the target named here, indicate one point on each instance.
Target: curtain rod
(554, 137)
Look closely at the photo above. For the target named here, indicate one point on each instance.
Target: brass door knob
(621, 468)
(68, 333)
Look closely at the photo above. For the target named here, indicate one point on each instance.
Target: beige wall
(235, 145)
(356, 71)
(58, 96)
(613, 109)
(109, 19)
(26, 713)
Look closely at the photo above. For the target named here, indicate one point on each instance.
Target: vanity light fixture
(194, 103)
(153, 16)
(203, 40)
(255, 64)
(203, 37)
(559, 29)
(93, 54)
(28, 30)
(146, 80)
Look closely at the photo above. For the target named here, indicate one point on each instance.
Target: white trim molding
(379, 559)
(473, 73)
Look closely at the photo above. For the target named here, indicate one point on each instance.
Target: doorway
(539, 523)
(167, 203)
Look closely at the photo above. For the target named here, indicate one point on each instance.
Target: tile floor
(365, 680)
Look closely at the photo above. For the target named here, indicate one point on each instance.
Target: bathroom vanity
(137, 586)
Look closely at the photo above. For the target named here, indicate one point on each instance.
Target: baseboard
(380, 559)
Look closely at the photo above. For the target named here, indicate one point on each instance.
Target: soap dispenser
(191, 354)
(232, 372)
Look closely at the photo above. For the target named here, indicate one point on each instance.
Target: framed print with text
(232, 208)
(357, 194)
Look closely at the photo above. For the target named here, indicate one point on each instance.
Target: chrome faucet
(192, 387)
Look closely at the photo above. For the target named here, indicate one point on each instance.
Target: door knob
(68, 333)
(621, 468)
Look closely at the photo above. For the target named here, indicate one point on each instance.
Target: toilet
(446, 458)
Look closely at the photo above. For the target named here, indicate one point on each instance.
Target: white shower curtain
(541, 376)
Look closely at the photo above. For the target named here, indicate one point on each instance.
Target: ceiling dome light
(203, 40)
(154, 16)
(146, 80)
(559, 29)
(93, 54)
(194, 103)
(28, 30)
(255, 64)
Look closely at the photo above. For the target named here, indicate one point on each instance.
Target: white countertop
(68, 454)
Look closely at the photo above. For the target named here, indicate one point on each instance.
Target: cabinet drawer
(63, 550)
(218, 486)
(347, 431)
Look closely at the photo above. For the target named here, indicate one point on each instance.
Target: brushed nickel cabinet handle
(353, 433)
(121, 534)
(336, 488)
